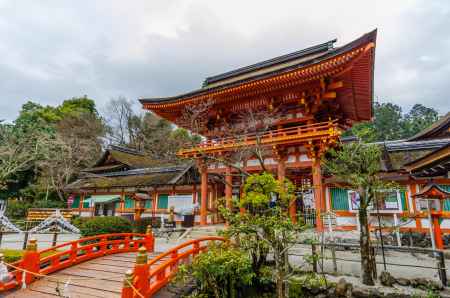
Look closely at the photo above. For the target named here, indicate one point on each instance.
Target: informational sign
(391, 201)
(354, 200)
(308, 199)
(181, 203)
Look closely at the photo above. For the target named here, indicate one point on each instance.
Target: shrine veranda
(318, 92)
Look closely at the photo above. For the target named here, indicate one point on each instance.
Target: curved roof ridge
(365, 38)
(323, 47)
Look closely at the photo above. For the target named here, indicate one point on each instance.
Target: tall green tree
(419, 118)
(19, 149)
(390, 123)
(47, 146)
(357, 165)
(266, 225)
(145, 131)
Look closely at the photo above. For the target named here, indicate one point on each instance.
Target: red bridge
(112, 265)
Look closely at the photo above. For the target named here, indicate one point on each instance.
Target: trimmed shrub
(140, 226)
(17, 209)
(221, 271)
(105, 225)
(78, 221)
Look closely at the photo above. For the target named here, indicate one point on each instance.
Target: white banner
(181, 203)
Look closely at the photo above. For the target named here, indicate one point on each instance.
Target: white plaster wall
(445, 224)
(304, 157)
(410, 224)
(345, 221)
(425, 222)
(252, 163)
(385, 221)
(269, 161)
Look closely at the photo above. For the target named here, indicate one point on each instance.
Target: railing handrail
(90, 238)
(183, 245)
(326, 124)
(145, 281)
(265, 137)
(172, 263)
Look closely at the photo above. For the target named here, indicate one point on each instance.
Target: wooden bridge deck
(102, 277)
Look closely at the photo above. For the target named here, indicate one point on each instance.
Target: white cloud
(52, 50)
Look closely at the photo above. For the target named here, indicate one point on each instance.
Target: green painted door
(446, 206)
(76, 202)
(148, 204)
(339, 199)
(129, 202)
(163, 201)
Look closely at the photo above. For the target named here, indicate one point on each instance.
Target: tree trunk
(279, 268)
(364, 241)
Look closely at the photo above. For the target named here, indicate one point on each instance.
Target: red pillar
(437, 233)
(228, 188)
(30, 261)
(281, 171)
(413, 188)
(204, 199)
(141, 272)
(318, 192)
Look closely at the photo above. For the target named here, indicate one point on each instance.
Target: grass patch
(13, 255)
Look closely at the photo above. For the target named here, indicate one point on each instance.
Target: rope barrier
(53, 278)
(65, 282)
(134, 289)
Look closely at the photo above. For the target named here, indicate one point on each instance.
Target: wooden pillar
(437, 233)
(228, 188)
(318, 192)
(80, 206)
(204, 193)
(281, 173)
(122, 202)
(241, 196)
(194, 194)
(413, 191)
(154, 206)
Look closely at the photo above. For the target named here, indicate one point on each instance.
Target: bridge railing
(148, 277)
(36, 263)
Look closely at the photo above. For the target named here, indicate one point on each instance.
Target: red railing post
(127, 290)
(126, 244)
(103, 247)
(196, 248)
(174, 265)
(73, 252)
(141, 273)
(30, 261)
(149, 239)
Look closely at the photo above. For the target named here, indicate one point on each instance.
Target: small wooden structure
(435, 196)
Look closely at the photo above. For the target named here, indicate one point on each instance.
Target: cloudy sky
(52, 50)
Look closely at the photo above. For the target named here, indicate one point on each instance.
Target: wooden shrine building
(316, 92)
(125, 182)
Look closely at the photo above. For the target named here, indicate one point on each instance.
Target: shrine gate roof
(352, 63)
